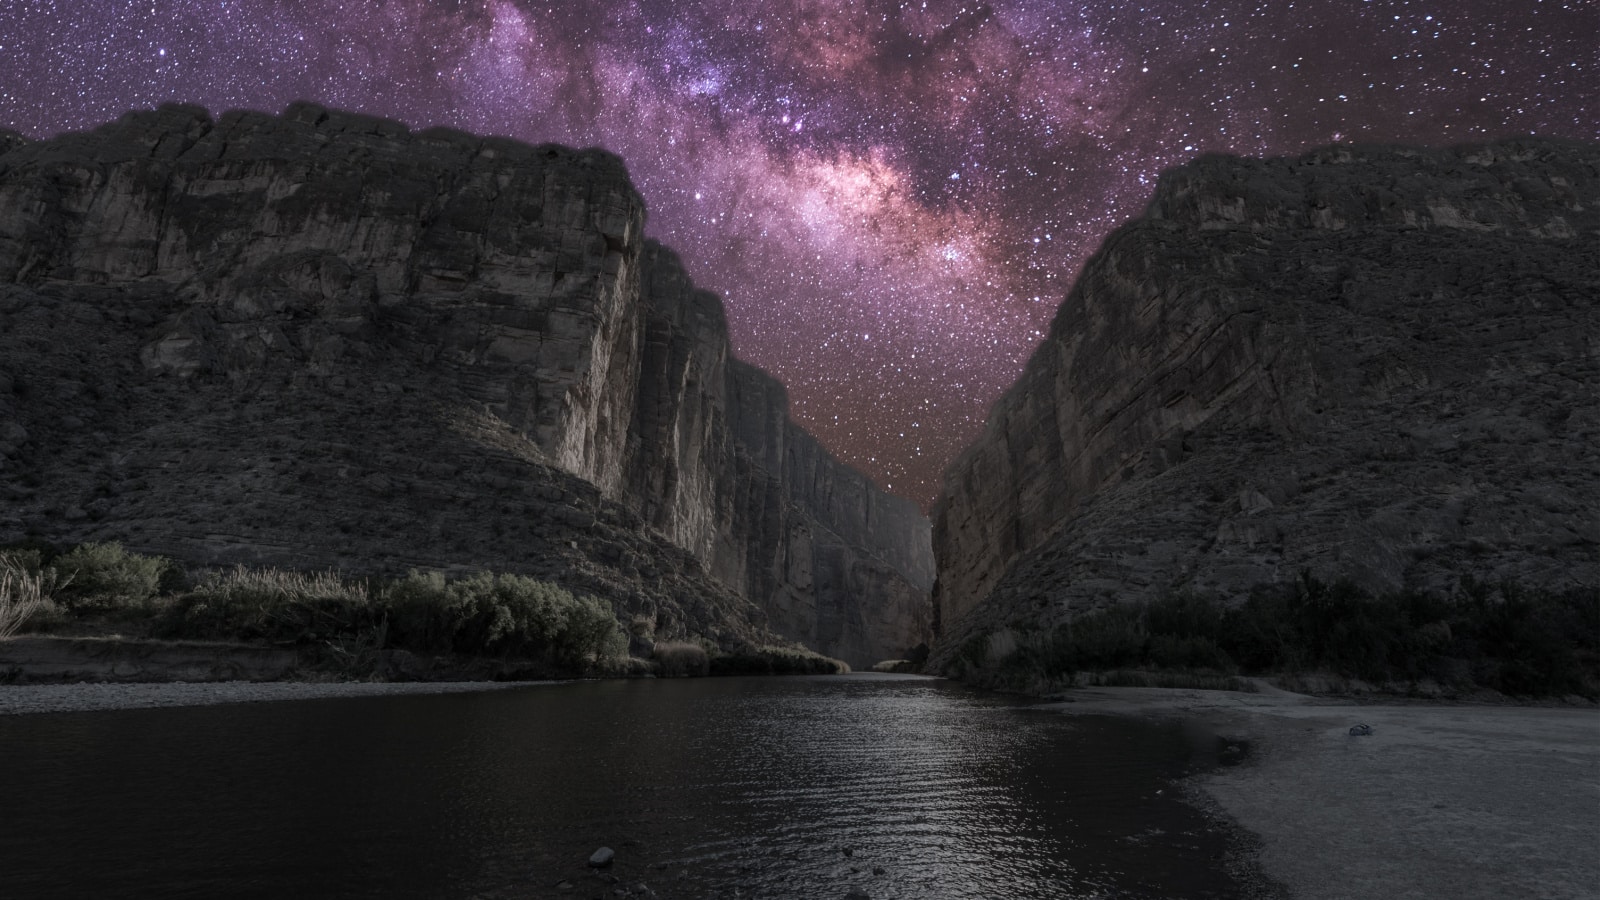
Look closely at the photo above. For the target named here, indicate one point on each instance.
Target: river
(892, 787)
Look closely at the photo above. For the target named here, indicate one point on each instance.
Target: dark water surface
(742, 787)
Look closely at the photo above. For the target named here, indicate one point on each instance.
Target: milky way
(892, 197)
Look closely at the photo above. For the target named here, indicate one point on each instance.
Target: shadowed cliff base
(1374, 365)
(321, 341)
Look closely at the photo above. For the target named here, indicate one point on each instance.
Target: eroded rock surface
(1373, 363)
(321, 340)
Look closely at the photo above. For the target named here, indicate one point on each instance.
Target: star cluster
(893, 196)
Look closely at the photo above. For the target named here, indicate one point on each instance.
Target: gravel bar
(55, 698)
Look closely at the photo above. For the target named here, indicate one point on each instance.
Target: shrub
(1179, 651)
(1112, 638)
(681, 659)
(415, 609)
(1517, 642)
(22, 559)
(501, 615)
(106, 577)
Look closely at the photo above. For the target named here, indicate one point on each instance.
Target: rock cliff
(323, 340)
(1373, 363)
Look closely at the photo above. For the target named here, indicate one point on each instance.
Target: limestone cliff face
(1376, 363)
(726, 473)
(321, 339)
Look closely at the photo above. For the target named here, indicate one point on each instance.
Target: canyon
(1379, 364)
(322, 341)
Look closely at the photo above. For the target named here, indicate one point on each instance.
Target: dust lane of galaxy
(892, 197)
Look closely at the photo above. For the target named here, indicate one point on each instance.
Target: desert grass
(22, 593)
(681, 659)
(1192, 681)
(773, 659)
(276, 587)
(269, 604)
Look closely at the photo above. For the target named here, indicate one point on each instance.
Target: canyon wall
(323, 340)
(1380, 364)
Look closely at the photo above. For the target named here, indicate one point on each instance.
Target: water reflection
(804, 788)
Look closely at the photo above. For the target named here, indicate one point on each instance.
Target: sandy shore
(1440, 801)
(88, 697)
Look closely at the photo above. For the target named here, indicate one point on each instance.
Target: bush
(106, 577)
(1177, 651)
(1110, 639)
(22, 559)
(501, 615)
(1522, 643)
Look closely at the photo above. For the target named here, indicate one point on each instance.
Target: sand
(1440, 801)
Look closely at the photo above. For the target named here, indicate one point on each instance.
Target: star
(930, 173)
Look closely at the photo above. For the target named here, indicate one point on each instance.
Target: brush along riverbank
(100, 613)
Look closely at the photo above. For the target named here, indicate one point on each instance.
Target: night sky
(892, 197)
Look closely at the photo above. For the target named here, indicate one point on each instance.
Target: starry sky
(892, 197)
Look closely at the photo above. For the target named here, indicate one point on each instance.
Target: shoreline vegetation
(98, 599)
(1484, 642)
(132, 617)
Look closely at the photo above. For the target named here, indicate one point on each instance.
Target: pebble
(602, 857)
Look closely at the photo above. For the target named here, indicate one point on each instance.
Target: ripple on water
(799, 787)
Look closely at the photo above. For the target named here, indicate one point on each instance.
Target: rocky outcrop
(322, 340)
(1380, 364)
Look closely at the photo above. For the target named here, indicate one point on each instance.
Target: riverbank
(53, 698)
(52, 659)
(1439, 801)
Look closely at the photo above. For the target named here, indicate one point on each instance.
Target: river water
(706, 788)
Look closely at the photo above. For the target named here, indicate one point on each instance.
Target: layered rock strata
(322, 340)
(1380, 364)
